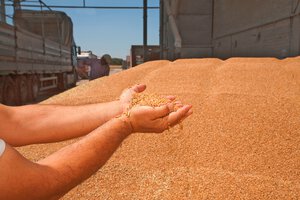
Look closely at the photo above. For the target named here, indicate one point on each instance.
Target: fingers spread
(183, 112)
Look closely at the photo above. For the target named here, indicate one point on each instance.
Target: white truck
(37, 53)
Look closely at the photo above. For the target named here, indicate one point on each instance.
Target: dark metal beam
(145, 26)
(17, 4)
(2, 11)
(90, 7)
(161, 28)
(42, 4)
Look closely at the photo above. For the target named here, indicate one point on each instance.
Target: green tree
(116, 61)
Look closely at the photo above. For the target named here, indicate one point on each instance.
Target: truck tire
(29, 88)
(75, 75)
(35, 87)
(22, 84)
(62, 81)
(10, 96)
(1, 88)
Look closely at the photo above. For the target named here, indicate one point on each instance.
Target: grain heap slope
(242, 142)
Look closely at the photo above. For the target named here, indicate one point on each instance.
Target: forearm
(57, 174)
(52, 123)
(86, 156)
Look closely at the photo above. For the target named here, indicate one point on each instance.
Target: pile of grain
(242, 142)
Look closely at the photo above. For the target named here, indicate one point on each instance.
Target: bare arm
(54, 176)
(60, 172)
(52, 123)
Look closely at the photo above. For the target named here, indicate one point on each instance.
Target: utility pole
(145, 30)
(2, 11)
(161, 28)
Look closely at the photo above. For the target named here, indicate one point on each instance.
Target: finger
(139, 88)
(175, 117)
(187, 115)
(177, 105)
(178, 102)
(170, 98)
(163, 111)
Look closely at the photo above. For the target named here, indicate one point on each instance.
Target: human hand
(128, 94)
(148, 119)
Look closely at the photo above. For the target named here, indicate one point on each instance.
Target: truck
(37, 54)
(83, 70)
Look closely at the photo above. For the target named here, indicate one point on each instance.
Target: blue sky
(111, 31)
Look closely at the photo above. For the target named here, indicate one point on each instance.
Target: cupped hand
(127, 95)
(146, 119)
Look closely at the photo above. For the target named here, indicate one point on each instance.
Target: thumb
(139, 88)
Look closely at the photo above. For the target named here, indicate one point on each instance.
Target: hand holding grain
(151, 113)
(128, 94)
(148, 119)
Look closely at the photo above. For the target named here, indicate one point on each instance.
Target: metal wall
(137, 53)
(227, 28)
(256, 28)
(193, 18)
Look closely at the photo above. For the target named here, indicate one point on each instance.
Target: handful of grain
(144, 99)
(153, 100)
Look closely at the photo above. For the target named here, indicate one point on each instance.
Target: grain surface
(242, 142)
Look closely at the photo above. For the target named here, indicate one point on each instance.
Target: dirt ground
(242, 142)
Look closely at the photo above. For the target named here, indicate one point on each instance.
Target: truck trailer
(37, 53)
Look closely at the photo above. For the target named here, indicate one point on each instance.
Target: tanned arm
(33, 124)
(55, 175)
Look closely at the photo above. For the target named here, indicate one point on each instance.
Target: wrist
(125, 124)
(121, 106)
